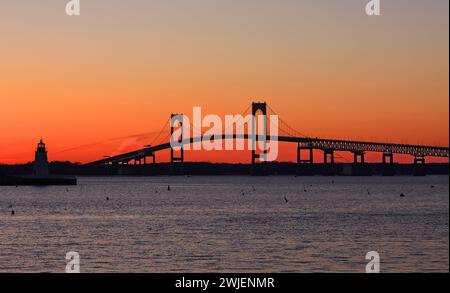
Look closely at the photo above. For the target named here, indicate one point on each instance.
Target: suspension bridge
(286, 133)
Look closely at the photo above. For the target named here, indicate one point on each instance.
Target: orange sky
(121, 69)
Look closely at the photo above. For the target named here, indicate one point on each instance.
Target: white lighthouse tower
(40, 162)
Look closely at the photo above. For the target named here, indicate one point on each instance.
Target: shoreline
(222, 169)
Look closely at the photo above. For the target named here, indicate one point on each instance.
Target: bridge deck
(315, 143)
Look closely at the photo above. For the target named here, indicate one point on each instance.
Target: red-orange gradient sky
(122, 67)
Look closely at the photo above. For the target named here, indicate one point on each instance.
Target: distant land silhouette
(205, 168)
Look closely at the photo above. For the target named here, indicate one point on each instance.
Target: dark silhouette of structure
(290, 135)
(40, 176)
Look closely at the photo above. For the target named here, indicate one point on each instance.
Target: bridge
(287, 134)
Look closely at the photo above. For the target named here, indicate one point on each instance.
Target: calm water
(207, 224)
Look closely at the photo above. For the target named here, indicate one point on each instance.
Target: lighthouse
(41, 175)
(41, 162)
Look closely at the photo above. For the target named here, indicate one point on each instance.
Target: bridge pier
(175, 159)
(329, 167)
(305, 167)
(388, 164)
(328, 153)
(258, 169)
(359, 165)
(419, 166)
(152, 156)
(176, 118)
(176, 162)
(388, 157)
(358, 158)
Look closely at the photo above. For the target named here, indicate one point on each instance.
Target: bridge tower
(258, 136)
(174, 119)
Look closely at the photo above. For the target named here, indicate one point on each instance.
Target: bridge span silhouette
(304, 143)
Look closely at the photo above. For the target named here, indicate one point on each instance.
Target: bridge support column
(388, 164)
(305, 166)
(419, 160)
(152, 157)
(259, 168)
(359, 165)
(310, 158)
(330, 154)
(388, 157)
(358, 158)
(329, 167)
(174, 167)
(419, 166)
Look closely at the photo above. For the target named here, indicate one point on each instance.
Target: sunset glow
(88, 84)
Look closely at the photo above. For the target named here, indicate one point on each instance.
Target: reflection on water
(223, 224)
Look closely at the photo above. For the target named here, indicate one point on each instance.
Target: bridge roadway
(361, 147)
